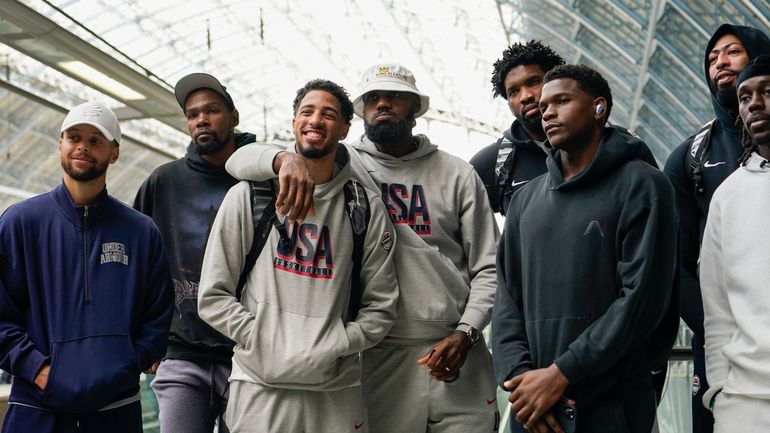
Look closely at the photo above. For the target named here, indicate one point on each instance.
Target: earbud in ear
(599, 108)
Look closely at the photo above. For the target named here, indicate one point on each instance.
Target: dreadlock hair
(749, 146)
(531, 53)
(587, 79)
(339, 92)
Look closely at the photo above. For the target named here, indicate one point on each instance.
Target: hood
(757, 164)
(754, 41)
(519, 138)
(196, 162)
(615, 149)
(424, 147)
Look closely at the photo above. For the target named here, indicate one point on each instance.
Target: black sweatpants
(124, 419)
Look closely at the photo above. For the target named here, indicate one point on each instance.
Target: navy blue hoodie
(720, 160)
(86, 289)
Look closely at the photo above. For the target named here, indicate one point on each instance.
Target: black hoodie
(586, 272)
(183, 197)
(528, 163)
(720, 160)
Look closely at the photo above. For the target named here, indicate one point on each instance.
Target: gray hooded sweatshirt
(446, 234)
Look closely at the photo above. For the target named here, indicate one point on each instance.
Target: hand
(41, 380)
(153, 368)
(546, 424)
(535, 392)
(295, 187)
(447, 356)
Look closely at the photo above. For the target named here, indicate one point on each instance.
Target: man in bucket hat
(434, 367)
(85, 295)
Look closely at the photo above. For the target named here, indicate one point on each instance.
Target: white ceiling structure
(55, 54)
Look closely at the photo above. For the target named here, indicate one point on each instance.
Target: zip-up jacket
(86, 289)
(586, 272)
(183, 197)
(720, 159)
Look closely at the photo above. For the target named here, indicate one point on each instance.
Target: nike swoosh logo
(709, 165)
(489, 402)
(358, 426)
(514, 183)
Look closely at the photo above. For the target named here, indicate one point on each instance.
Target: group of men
(227, 287)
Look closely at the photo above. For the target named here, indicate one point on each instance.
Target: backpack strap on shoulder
(357, 208)
(696, 155)
(262, 197)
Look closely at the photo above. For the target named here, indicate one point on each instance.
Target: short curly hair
(533, 52)
(588, 79)
(339, 92)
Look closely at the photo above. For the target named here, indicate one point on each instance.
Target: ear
(602, 114)
(115, 154)
(236, 117)
(344, 134)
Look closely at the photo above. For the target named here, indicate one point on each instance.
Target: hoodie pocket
(90, 373)
(286, 347)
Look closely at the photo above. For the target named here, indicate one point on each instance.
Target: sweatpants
(124, 419)
(736, 413)
(402, 397)
(257, 408)
(628, 408)
(191, 395)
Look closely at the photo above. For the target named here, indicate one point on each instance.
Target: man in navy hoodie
(85, 294)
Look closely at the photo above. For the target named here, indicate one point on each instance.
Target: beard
(213, 146)
(727, 96)
(315, 153)
(95, 172)
(531, 126)
(387, 133)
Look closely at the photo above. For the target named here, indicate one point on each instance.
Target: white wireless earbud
(599, 108)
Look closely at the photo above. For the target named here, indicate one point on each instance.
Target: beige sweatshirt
(289, 327)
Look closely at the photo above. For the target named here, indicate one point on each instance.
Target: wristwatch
(473, 334)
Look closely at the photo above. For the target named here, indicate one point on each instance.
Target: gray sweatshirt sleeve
(228, 244)
(479, 237)
(379, 283)
(253, 162)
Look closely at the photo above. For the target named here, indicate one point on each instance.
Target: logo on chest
(114, 252)
(306, 249)
(407, 206)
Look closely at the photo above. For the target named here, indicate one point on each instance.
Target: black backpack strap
(357, 208)
(696, 154)
(504, 178)
(262, 198)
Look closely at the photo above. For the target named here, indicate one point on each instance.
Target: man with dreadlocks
(695, 179)
(518, 156)
(734, 271)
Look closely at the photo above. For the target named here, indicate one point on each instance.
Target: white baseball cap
(97, 115)
(389, 77)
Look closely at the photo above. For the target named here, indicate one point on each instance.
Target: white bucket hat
(390, 77)
(97, 115)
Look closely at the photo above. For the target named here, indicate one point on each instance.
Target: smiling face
(85, 153)
(569, 114)
(318, 124)
(209, 122)
(523, 86)
(754, 107)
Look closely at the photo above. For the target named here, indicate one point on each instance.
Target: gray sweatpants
(256, 408)
(191, 395)
(736, 413)
(402, 397)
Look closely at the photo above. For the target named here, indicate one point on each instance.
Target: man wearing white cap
(183, 197)
(85, 295)
(433, 368)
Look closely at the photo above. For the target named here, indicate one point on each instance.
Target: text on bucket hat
(97, 115)
(389, 77)
(199, 80)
